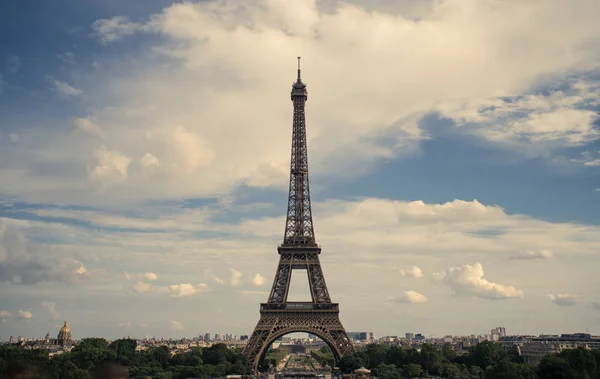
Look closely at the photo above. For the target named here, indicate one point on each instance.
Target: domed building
(64, 336)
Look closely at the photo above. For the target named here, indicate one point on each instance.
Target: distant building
(410, 336)
(419, 337)
(64, 336)
(496, 333)
(537, 348)
(243, 338)
(207, 337)
(361, 336)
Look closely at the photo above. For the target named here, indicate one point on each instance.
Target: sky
(454, 154)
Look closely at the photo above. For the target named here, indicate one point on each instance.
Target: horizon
(454, 164)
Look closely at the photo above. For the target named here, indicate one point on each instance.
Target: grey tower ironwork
(298, 251)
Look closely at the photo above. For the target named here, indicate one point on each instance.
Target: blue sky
(144, 152)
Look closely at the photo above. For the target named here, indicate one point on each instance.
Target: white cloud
(183, 90)
(258, 280)
(150, 276)
(110, 30)
(22, 262)
(186, 289)
(534, 254)
(467, 280)
(124, 324)
(25, 315)
(142, 287)
(411, 272)
(536, 121)
(86, 125)
(176, 325)
(65, 88)
(111, 167)
(235, 278)
(68, 57)
(51, 308)
(593, 162)
(412, 297)
(562, 299)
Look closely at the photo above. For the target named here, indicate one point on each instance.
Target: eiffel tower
(299, 250)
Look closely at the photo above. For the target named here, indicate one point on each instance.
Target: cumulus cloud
(116, 28)
(111, 166)
(186, 289)
(258, 280)
(534, 254)
(51, 308)
(486, 71)
(412, 297)
(467, 280)
(65, 88)
(142, 287)
(25, 315)
(235, 277)
(150, 276)
(562, 299)
(176, 325)
(411, 272)
(86, 125)
(25, 263)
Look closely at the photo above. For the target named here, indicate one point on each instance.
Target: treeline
(486, 360)
(272, 358)
(324, 356)
(95, 357)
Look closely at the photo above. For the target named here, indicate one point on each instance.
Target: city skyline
(454, 158)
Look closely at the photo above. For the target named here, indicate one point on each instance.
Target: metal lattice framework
(298, 251)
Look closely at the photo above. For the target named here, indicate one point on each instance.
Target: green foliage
(95, 355)
(324, 356)
(485, 361)
(274, 356)
(384, 371)
(351, 362)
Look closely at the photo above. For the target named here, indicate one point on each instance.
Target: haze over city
(145, 153)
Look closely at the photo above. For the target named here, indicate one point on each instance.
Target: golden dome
(65, 333)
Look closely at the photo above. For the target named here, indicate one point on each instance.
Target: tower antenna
(298, 68)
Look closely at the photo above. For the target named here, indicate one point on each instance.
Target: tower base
(277, 320)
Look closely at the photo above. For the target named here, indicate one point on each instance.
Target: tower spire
(299, 225)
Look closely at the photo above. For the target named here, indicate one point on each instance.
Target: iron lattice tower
(298, 251)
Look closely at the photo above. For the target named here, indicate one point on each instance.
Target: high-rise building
(361, 336)
(410, 336)
(498, 332)
(207, 337)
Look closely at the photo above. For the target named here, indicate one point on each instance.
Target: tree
(351, 362)
(384, 371)
(124, 349)
(413, 370)
(553, 367)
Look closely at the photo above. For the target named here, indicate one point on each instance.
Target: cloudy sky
(454, 152)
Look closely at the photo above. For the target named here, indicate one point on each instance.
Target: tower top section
(299, 225)
(299, 92)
